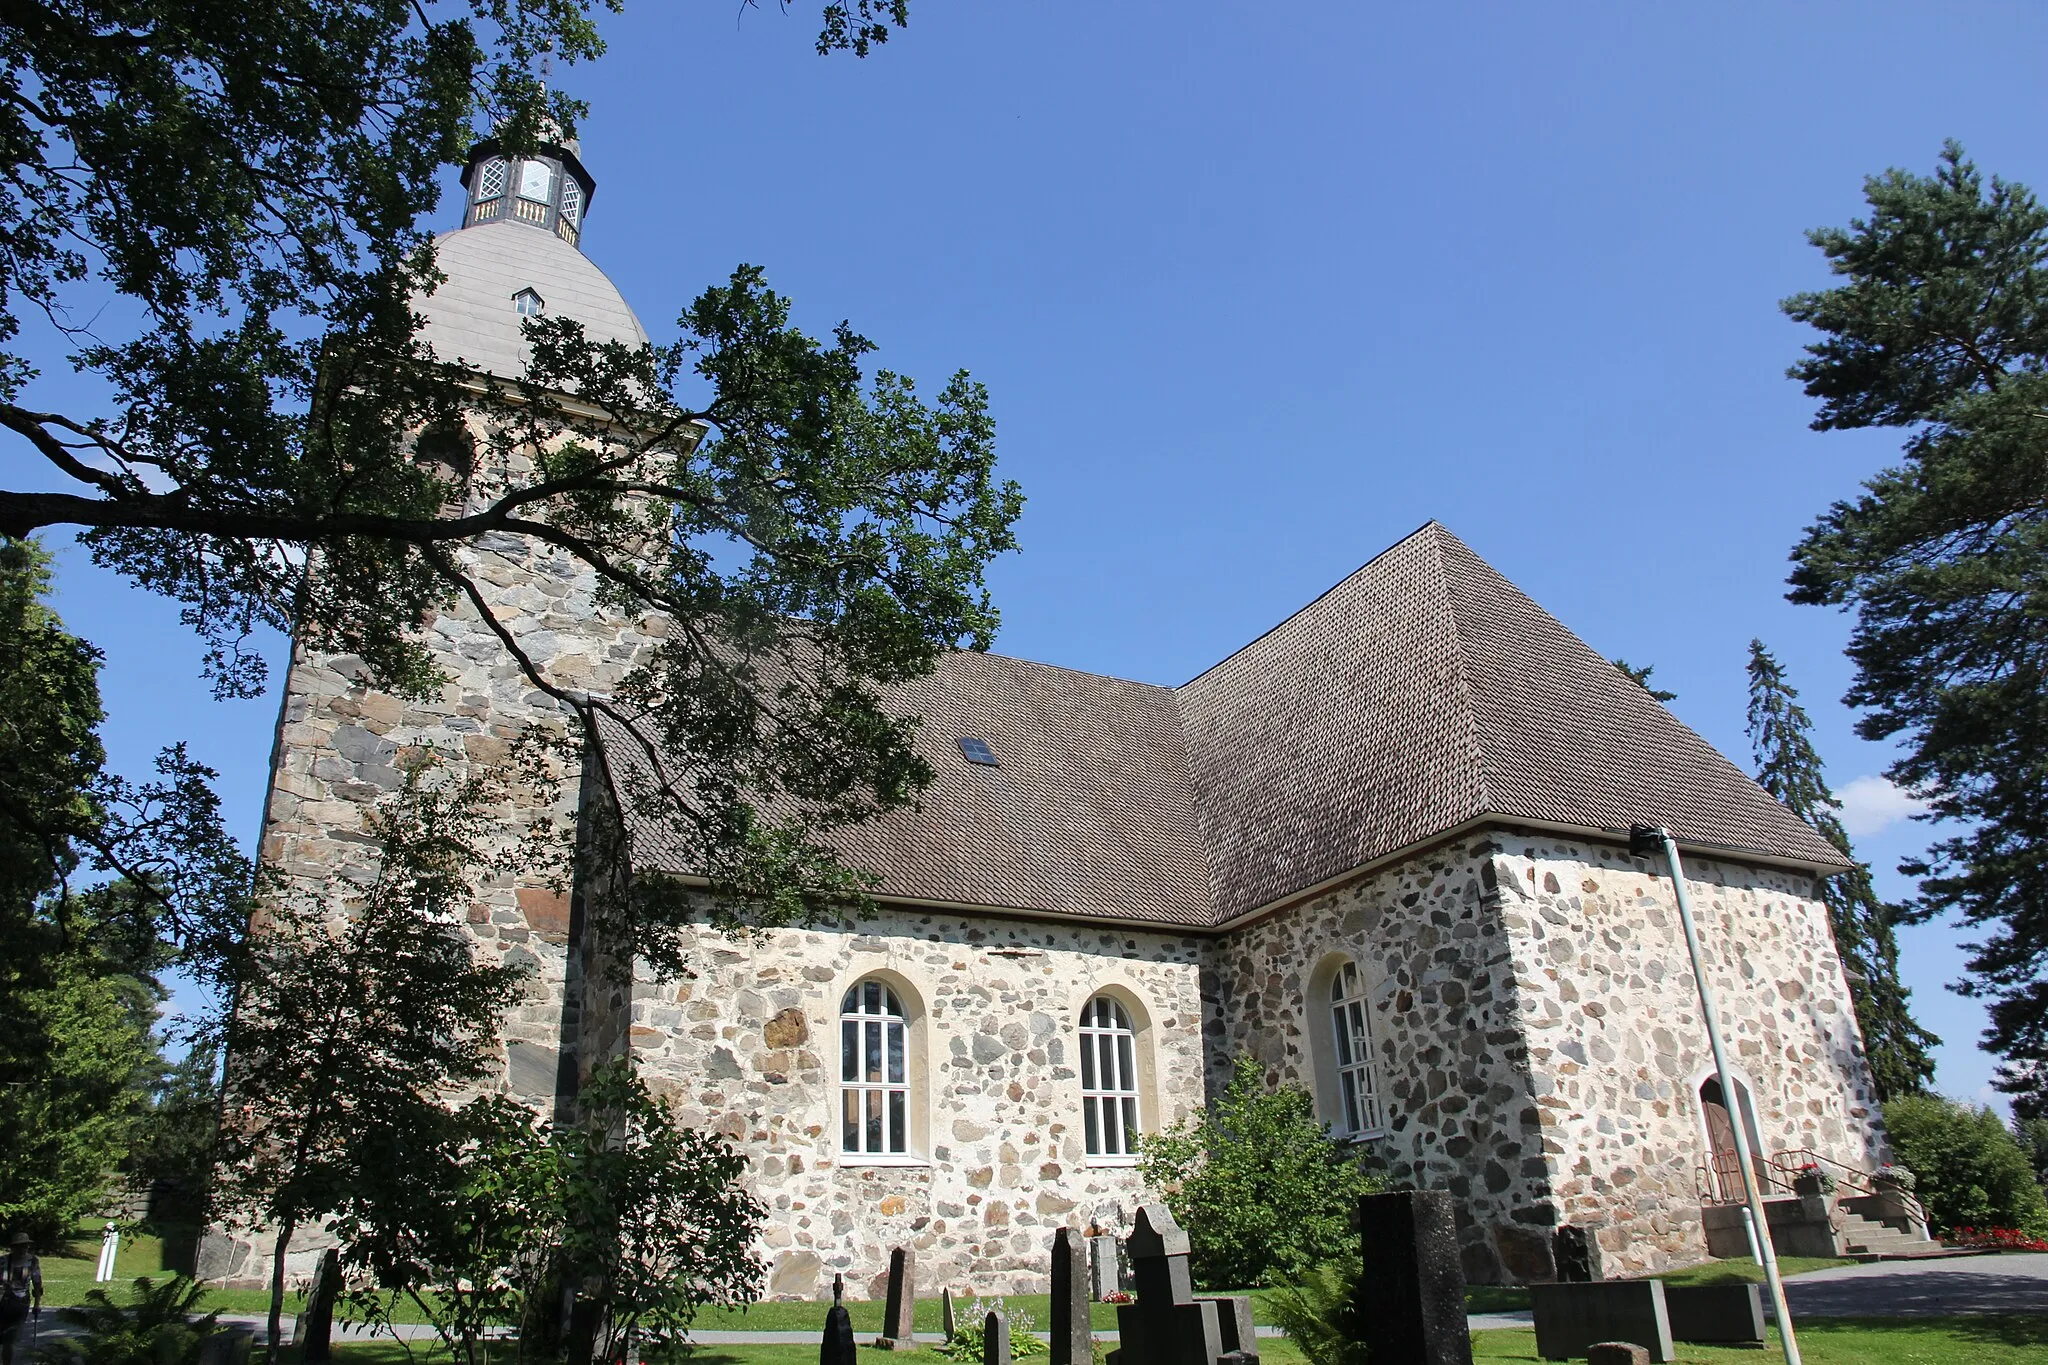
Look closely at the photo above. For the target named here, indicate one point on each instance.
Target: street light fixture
(1647, 841)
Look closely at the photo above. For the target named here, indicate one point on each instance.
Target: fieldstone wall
(749, 1046)
(1617, 1048)
(1452, 1060)
(342, 746)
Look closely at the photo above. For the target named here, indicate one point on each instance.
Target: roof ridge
(1316, 601)
(1476, 752)
(1062, 668)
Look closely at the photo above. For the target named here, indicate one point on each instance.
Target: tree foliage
(1789, 768)
(1258, 1183)
(1641, 678)
(103, 885)
(280, 450)
(1971, 1172)
(636, 1212)
(1940, 327)
(357, 1016)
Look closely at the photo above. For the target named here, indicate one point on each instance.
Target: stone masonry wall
(749, 1047)
(1617, 1048)
(1451, 1058)
(342, 745)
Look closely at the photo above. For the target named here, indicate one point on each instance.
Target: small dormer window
(490, 181)
(536, 181)
(529, 304)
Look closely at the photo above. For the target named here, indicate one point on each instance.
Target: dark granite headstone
(1575, 1249)
(1571, 1317)
(1166, 1326)
(313, 1333)
(1413, 1289)
(995, 1340)
(837, 1347)
(1234, 1323)
(1716, 1314)
(901, 1306)
(946, 1323)
(1073, 1343)
(230, 1347)
(586, 1329)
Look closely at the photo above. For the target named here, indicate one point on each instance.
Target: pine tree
(1789, 768)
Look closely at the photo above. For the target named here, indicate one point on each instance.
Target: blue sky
(1258, 289)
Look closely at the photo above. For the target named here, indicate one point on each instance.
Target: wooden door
(1726, 1160)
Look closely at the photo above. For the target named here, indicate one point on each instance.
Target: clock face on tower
(536, 181)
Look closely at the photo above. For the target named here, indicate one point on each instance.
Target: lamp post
(1646, 841)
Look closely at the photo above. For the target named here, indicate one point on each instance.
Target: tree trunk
(284, 1238)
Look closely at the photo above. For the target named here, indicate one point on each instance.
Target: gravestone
(1572, 1317)
(230, 1347)
(1234, 1324)
(1575, 1250)
(837, 1347)
(1716, 1314)
(1073, 1342)
(946, 1323)
(586, 1328)
(1617, 1353)
(1167, 1325)
(995, 1340)
(1105, 1267)
(1413, 1290)
(901, 1306)
(314, 1331)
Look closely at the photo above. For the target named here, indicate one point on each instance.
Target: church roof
(472, 316)
(1422, 694)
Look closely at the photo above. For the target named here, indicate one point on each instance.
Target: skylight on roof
(977, 751)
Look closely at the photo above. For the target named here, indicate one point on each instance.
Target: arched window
(874, 1072)
(1109, 1078)
(1351, 1038)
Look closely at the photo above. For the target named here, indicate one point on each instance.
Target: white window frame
(492, 179)
(1360, 1111)
(1109, 1083)
(874, 1074)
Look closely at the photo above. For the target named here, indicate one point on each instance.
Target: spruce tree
(1788, 767)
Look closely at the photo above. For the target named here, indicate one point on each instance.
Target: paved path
(2011, 1283)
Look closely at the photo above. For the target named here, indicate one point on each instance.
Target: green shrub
(1972, 1173)
(1318, 1310)
(1259, 1185)
(155, 1326)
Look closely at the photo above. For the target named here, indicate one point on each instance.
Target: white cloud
(1871, 805)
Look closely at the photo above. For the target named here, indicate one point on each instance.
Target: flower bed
(2002, 1239)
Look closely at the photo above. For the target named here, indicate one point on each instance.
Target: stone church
(1381, 849)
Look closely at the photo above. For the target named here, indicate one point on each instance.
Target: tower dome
(518, 254)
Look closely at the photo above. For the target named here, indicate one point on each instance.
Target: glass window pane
(849, 1121)
(872, 998)
(1127, 1075)
(849, 1050)
(1130, 1126)
(874, 1052)
(1112, 1140)
(899, 1126)
(1087, 1062)
(1350, 1103)
(536, 180)
(1105, 1065)
(874, 1134)
(1343, 1035)
(896, 1076)
(1088, 1107)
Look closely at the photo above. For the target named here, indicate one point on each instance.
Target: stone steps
(1864, 1239)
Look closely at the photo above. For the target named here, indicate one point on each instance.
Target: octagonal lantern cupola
(546, 189)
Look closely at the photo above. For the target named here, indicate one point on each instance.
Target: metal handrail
(1860, 1181)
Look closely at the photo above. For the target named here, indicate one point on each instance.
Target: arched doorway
(1725, 1152)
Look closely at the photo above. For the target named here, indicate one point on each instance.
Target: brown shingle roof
(1423, 692)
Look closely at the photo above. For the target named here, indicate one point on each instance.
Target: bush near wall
(1971, 1171)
